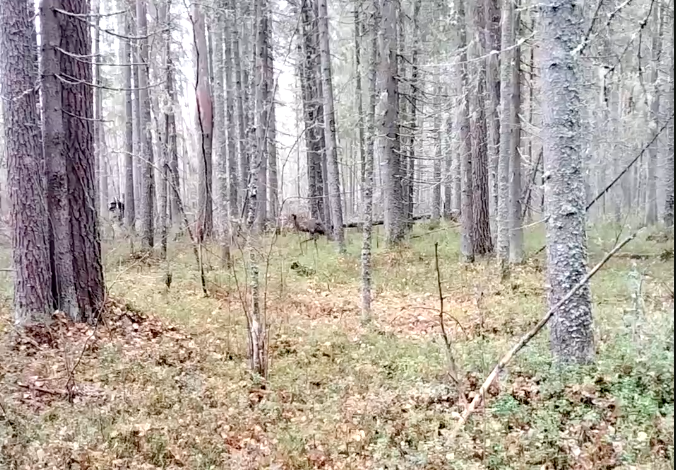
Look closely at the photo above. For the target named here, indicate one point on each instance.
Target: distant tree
(387, 116)
(654, 99)
(572, 336)
(332, 166)
(205, 121)
(669, 156)
(366, 252)
(146, 137)
(33, 302)
(129, 194)
(506, 134)
(481, 228)
(464, 150)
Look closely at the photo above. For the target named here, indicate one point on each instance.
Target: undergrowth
(164, 382)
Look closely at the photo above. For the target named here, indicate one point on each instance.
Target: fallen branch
(507, 358)
(58, 393)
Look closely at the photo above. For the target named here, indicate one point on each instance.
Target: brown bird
(311, 226)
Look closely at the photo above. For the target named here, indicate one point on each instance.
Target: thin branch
(108, 31)
(452, 366)
(507, 358)
(624, 172)
(70, 81)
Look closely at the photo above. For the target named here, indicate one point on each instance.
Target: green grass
(344, 396)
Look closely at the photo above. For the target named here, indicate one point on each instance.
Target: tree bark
(361, 128)
(205, 120)
(230, 104)
(221, 137)
(669, 156)
(129, 196)
(239, 93)
(273, 174)
(506, 133)
(60, 237)
(572, 338)
(366, 252)
(333, 170)
(387, 115)
(413, 122)
(481, 235)
(515, 207)
(146, 137)
(262, 106)
(436, 177)
(493, 87)
(33, 301)
(78, 103)
(99, 129)
(163, 20)
(651, 215)
(465, 142)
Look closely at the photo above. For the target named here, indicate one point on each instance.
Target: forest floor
(163, 383)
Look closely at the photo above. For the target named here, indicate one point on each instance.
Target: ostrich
(311, 226)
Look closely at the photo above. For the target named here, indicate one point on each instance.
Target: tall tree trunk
(438, 155)
(515, 189)
(653, 153)
(239, 94)
(129, 196)
(481, 236)
(78, 104)
(262, 111)
(220, 127)
(33, 302)
(205, 119)
(446, 136)
(256, 312)
(465, 144)
(366, 275)
(413, 122)
(333, 169)
(669, 156)
(361, 128)
(312, 111)
(388, 120)
(136, 110)
(230, 102)
(572, 338)
(273, 174)
(60, 237)
(493, 88)
(99, 131)
(146, 137)
(506, 132)
(163, 20)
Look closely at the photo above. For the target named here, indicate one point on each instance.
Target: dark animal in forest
(116, 208)
(313, 227)
(302, 270)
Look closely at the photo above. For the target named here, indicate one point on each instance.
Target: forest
(337, 234)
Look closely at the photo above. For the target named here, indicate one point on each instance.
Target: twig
(58, 393)
(506, 359)
(452, 366)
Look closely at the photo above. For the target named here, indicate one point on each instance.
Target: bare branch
(507, 358)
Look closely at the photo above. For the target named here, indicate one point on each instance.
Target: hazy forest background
(337, 234)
